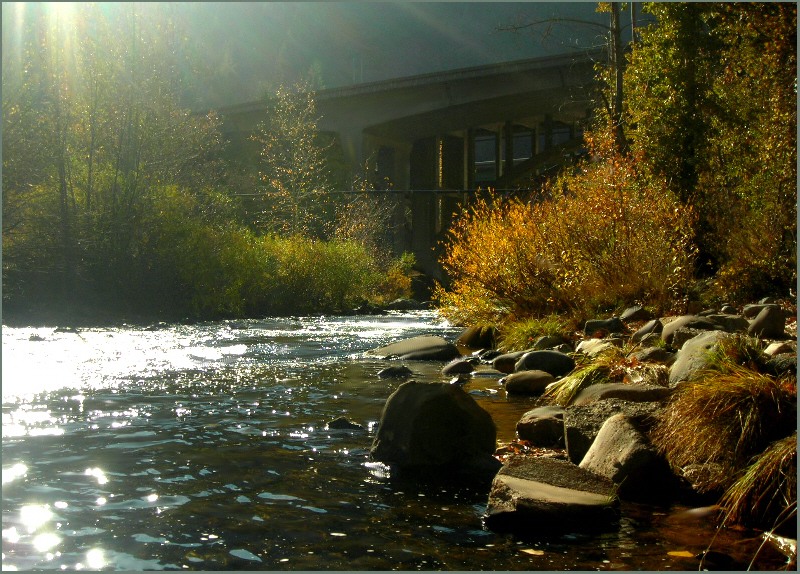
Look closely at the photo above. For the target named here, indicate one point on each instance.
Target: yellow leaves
(681, 554)
(532, 551)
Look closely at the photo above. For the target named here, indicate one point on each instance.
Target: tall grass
(765, 494)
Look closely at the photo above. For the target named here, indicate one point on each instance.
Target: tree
(712, 108)
(293, 170)
(93, 132)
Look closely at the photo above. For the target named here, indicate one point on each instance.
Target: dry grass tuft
(766, 493)
(604, 368)
(726, 417)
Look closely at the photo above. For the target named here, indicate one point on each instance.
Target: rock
(654, 326)
(458, 367)
(728, 310)
(627, 392)
(635, 313)
(563, 348)
(592, 347)
(693, 356)
(505, 362)
(547, 342)
(654, 355)
(604, 326)
(546, 495)
(582, 423)
(554, 362)
(398, 372)
(487, 355)
(422, 348)
(781, 365)
(477, 337)
(621, 453)
(769, 323)
(36, 337)
(680, 336)
(531, 382)
(425, 425)
(687, 322)
(342, 423)
(543, 426)
(730, 323)
(751, 311)
(779, 348)
(651, 340)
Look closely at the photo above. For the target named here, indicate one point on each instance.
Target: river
(205, 447)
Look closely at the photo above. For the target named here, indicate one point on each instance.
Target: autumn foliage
(605, 237)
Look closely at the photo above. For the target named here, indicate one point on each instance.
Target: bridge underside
(431, 140)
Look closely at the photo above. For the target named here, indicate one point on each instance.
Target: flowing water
(205, 447)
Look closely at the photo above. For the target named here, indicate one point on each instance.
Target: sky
(250, 47)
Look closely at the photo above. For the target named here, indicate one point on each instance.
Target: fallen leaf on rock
(533, 551)
(681, 553)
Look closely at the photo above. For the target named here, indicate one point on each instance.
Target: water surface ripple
(204, 447)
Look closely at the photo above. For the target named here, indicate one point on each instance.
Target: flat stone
(780, 347)
(592, 347)
(422, 348)
(548, 495)
(633, 393)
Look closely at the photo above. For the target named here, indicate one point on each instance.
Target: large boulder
(622, 453)
(556, 363)
(582, 423)
(546, 495)
(426, 425)
(422, 348)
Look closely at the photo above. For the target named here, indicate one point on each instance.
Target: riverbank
(620, 401)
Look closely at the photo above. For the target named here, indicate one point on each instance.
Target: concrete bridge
(436, 137)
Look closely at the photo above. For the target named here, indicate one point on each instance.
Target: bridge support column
(508, 137)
